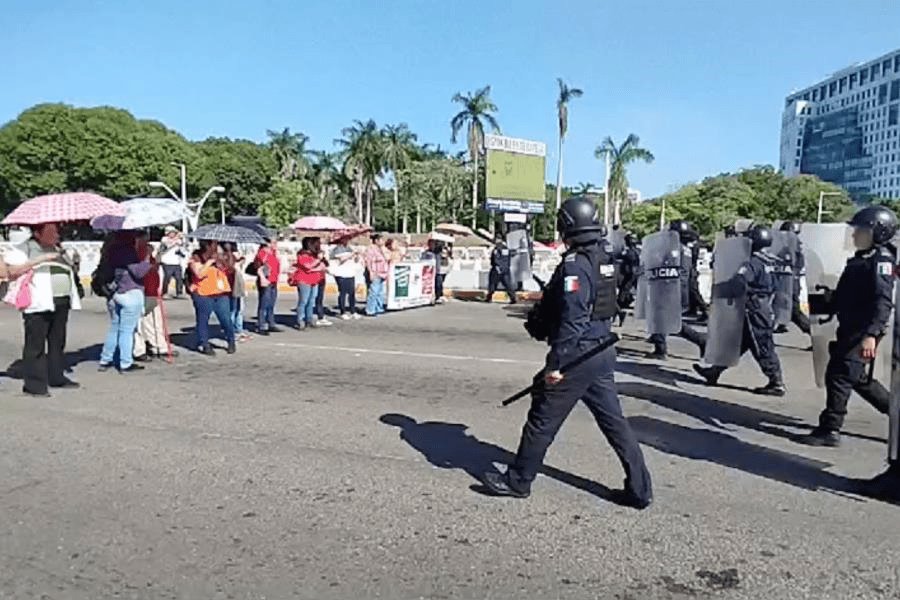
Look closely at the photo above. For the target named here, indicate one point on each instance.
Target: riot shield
(784, 249)
(894, 411)
(659, 286)
(742, 226)
(615, 238)
(826, 248)
(727, 303)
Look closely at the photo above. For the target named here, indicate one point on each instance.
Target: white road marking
(359, 351)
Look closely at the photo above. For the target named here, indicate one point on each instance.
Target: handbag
(19, 292)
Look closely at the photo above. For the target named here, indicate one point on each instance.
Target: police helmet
(630, 240)
(791, 226)
(684, 230)
(881, 220)
(578, 215)
(760, 237)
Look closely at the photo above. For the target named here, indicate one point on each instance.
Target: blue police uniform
(500, 272)
(797, 316)
(687, 332)
(571, 300)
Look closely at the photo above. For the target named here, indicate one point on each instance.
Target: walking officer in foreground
(743, 319)
(862, 303)
(574, 315)
(501, 271)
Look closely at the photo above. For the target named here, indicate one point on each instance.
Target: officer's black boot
(502, 484)
(821, 437)
(781, 329)
(659, 352)
(775, 387)
(710, 374)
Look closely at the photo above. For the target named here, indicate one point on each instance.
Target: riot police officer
(696, 304)
(576, 310)
(629, 262)
(500, 271)
(756, 275)
(687, 235)
(862, 303)
(797, 317)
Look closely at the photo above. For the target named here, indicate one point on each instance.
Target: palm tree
(583, 188)
(478, 109)
(562, 110)
(620, 157)
(290, 152)
(398, 149)
(361, 150)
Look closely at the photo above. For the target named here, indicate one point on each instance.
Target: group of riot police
(756, 290)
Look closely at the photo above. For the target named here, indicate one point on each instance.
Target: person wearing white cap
(171, 257)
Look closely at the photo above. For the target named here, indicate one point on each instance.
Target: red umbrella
(61, 208)
(350, 232)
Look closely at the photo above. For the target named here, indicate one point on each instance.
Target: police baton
(605, 343)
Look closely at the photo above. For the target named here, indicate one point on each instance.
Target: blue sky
(701, 81)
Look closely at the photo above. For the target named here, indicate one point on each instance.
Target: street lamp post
(822, 204)
(222, 208)
(191, 209)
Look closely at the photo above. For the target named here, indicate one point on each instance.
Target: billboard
(515, 172)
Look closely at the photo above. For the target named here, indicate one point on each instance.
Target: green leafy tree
(245, 169)
(566, 94)
(290, 152)
(398, 147)
(361, 148)
(620, 157)
(478, 110)
(287, 201)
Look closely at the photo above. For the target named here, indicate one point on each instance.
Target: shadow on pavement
(73, 358)
(728, 451)
(448, 446)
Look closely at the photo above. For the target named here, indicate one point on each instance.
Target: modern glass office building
(845, 129)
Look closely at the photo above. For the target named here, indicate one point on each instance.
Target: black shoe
(132, 368)
(488, 300)
(164, 354)
(499, 485)
(821, 437)
(275, 329)
(66, 384)
(43, 394)
(658, 355)
(231, 348)
(781, 329)
(207, 350)
(628, 499)
(621, 319)
(143, 358)
(773, 388)
(709, 374)
(103, 367)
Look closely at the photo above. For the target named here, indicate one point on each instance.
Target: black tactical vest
(605, 279)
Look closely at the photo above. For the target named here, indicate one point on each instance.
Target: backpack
(103, 281)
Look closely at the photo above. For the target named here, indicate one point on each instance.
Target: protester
(211, 293)
(171, 256)
(126, 305)
(344, 266)
(443, 268)
(321, 320)
(268, 270)
(308, 275)
(53, 293)
(235, 264)
(150, 338)
(377, 266)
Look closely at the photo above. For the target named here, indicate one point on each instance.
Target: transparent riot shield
(659, 286)
(894, 411)
(727, 303)
(615, 238)
(784, 249)
(742, 226)
(826, 248)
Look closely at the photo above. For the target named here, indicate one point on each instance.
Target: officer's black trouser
(696, 302)
(759, 341)
(593, 383)
(797, 317)
(504, 277)
(846, 372)
(687, 332)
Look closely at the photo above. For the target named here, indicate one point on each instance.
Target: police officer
(577, 307)
(759, 321)
(629, 262)
(696, 304)
(501, 272)
(862, 303)
(798, 318)
(687, 235)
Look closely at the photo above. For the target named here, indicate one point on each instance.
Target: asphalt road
(340, 463)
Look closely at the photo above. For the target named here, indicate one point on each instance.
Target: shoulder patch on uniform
(570, 257)
(607, 270)
(885, 268)
(571, 283)
(742, 270)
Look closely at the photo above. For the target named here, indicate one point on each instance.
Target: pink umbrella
(350, 232)
(318, 223)
(60, 208)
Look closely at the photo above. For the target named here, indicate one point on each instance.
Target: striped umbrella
(62, 208)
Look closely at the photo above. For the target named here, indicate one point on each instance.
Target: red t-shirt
(151, 280)
(304, 272)
(266, 258)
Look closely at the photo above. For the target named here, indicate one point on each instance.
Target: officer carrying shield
(862, 303)
(798, 318)
(575, 314)
(686, 235)
(629, 262)
(501, 258)
(755, 275)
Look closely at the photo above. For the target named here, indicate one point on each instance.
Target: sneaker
(275, 329)
(629, 499)
(356, 316)
(102, 367)
(299, 326)
(710, 374)
(773, 388)
(658, 355)
(262, 332)
(323, 323)
(231, 348)
(132, 368)
(821, 437)
(207, 350)
(346, 317)
(500, 485)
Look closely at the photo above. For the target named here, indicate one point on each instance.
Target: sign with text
(410, 284)
(515, 171)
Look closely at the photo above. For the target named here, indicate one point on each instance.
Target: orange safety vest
(213, 282)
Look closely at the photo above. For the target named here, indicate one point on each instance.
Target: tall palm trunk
(475, 194)
(405, 223)
(396, 202)
(559, 166)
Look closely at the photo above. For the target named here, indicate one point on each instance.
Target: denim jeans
(306, 303)
(346, 294)
(375, 299)
(204, 306)
(237, 314)
(265, 314)
(125, 312)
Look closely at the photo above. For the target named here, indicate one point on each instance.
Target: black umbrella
(227, 233)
